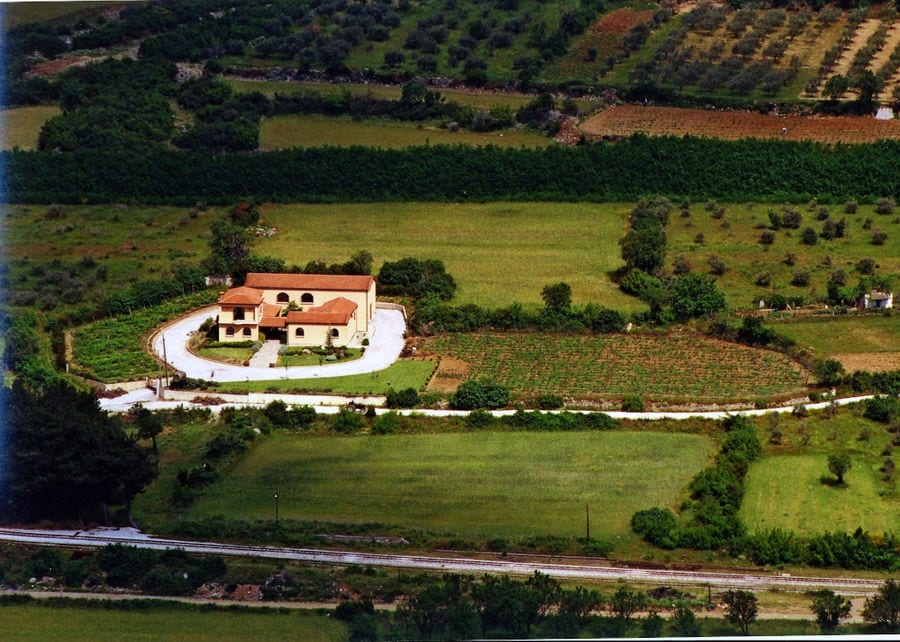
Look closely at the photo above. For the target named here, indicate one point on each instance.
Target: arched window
(299, 332)
(306, 298)
(239, 314)
(229, 332)
(247, 332)
(334, 333)
(282, 297)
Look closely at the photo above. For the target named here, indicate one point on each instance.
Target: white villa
(299, 309)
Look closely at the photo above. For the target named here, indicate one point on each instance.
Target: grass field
(282, 132)
(32, 622)
(498, 484)
(787, 492)
(20, 127)
(658, 367)
(735, 238)
(871, 342)
(399, 376)
(15, 14)
(482, 99)
(499, 253)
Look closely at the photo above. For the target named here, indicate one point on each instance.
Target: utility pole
(276, 506)
(165, 361)
(587, 519)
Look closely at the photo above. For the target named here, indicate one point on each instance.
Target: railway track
(564, 568)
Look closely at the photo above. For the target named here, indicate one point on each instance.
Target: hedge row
(627, 170)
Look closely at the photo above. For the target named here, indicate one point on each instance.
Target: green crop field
(399, 376)
(498, 484)
(73, 622)
(659, 367)
(20, 127)
(112, 349)
(499, 253)
(281, 132)
(787, 492)
(735, 239)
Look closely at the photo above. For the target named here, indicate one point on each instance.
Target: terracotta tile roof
(272, 322)
(344, 282)
(334, 312)
(242, 295)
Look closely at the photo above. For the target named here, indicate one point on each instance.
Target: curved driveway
(385, 345)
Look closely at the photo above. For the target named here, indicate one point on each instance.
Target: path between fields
(385, 345)
(575, 569)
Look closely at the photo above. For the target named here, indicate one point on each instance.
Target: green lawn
(735, 238)
(787, 492)
(20, 127)
(281, 132)
(229, 355)
(399, 376)
(313, 359)
(497, 484)
(44, 623)
(499, 253)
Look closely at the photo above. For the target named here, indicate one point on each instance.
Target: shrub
(550, 402)
(407, 398)
(885, 206)
(474, 394)
(882, 409)
(879, 236)
(716, 265)
(850, 207)
(767, 237)
(800, 278)
(763, 278)
(655, 525)
(347, 422)
(809, 236)
(632, 403)
(866, 266)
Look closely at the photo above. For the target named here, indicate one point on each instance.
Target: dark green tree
(624, 603)
(147, 423)
(696, 295)
(838, 465)
(830, 609)
(557, 297)
(883, 608)
(229, 248)
(741, 608)
(684, 622)
(644, 248)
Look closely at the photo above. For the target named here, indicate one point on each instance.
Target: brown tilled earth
(871, 361)
(448, 375)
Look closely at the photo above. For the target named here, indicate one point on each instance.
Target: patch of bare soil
(620, 21)
(57, 65)
(448, 375)
(871, 361)
(569, 133)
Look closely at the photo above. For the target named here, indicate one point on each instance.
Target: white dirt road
(385, 345)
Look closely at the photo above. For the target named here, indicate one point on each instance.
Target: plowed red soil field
(620, 21)
(625, 120)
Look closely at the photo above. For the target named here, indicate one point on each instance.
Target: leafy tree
(147, 423)
(883, 608)
(579, 603)
(838, 465)
(754, 333)
(416, 277)
(830, 609)
(229, 248)
(684, 622)
(557, 297)
(830, 372)
(624, 603)
(696, 295)
(835, 87)
(407, 398)
(65, 458)
(655, 525)
(644, 248)
(741, 608)
(347, 422)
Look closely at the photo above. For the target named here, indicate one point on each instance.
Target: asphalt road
(385, 345)
(567, 568)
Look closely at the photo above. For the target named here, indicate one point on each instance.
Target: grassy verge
(672, 367)
(500, 484)
(400, 375)
(20, 127)
(162, 621)
(795, 493)
(228, 355)
(113, 349)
